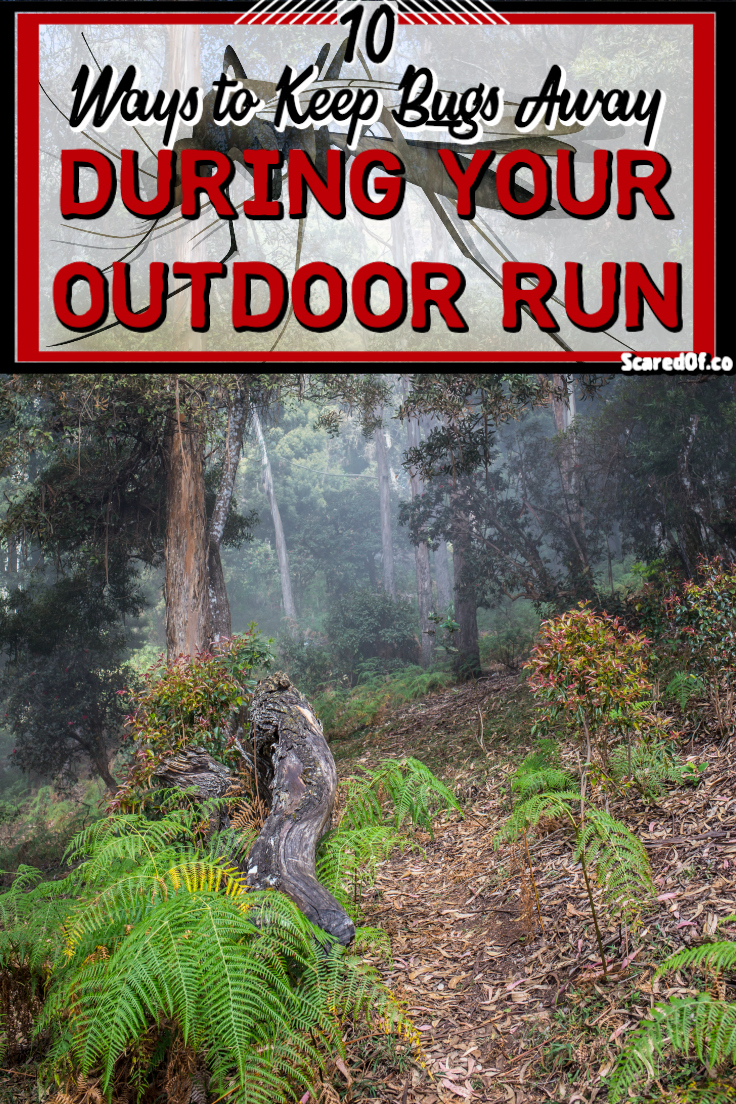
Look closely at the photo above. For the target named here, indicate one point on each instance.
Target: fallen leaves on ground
(488, 992)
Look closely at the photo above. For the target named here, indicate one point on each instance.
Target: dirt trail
(506, 1013)
(486, 989)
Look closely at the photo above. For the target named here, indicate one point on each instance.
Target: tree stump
(303, 789)
(297, 780)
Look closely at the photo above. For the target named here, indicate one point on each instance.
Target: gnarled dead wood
(303, 790)
(297, 780)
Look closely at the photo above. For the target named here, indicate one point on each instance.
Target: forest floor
(506, 1011)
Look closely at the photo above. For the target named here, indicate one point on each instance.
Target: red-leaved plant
(703, 618)
(196, 701)
(588, 674)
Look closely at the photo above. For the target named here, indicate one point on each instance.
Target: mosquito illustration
(423, 166)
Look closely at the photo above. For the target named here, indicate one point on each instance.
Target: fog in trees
(372, 525)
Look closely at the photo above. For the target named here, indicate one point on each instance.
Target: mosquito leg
(299, 241)
(233, 243)
(233, 240)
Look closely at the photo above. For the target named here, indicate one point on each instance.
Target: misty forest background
(392, 535)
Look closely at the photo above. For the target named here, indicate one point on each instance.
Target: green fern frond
(719, 956)
(683, 686)
(411, 787)
(545, 755)
(197, 959)
(155, 923)
(620, 860)
(543, 780)
(361, 805)
(348, 852)
(698, 1025)
(653, 763)
(26, 878)
(720, 1091)
(375, 940)
(527, 814)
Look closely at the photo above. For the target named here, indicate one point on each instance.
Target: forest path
(488, 992)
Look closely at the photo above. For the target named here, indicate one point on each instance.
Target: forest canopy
(366, 522)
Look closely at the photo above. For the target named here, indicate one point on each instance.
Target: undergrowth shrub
(198, 701)
(308, 662)
(154, 942)
(342, 712)
(365, 624)
(371, 811)
(151, 962)
(540, 772)
(602, 845)
(510, 637)
(588, 677)
(703, 618)
(683, 687)
(36, 830)
(649, 765)
(703, 1027)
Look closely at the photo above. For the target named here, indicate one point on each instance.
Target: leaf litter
(489, 991)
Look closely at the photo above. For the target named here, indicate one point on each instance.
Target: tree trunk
(467, 660)
(442, 575)
(185, 552)
(384, 491)
(297, 780)
(281, 552)
(12, 556)
(103, 769)
(564, 409)
(220, 624)
(421, 555)
(94, 748)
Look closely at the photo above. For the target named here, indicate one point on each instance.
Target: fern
(699, 1025)
(685, 686)
(373, 939)
(719, 956)
(546, 754)
(620, 860)
(348, 852)
(156, 924)
(408, 784)
(544, 779)
(652, 763)
(528, 813)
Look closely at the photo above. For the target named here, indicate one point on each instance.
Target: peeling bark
(194, 767)
(297, 780)
(302, 796)
(185, 553)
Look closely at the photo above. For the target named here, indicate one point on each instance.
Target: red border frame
(27, 293)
